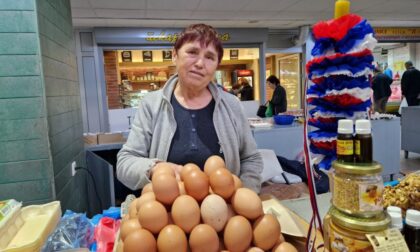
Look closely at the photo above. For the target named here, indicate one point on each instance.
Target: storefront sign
(126, 56)
(397, 34)
(147, 56)
(172, 37)
(234, 53)
(155, 36)
(167, 55)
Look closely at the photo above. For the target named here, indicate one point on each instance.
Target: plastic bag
(73, 231)
(269, 111)
(402, 105)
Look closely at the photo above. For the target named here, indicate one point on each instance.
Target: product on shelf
(357, 188)
(344, 232)
(404, 195)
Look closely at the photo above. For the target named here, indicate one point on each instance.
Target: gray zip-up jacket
(154, 127)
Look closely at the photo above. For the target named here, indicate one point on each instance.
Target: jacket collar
(169, 87)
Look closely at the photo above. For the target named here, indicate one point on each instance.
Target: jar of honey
(357, 188)
(343, 232)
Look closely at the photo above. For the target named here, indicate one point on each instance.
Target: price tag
(389, 240)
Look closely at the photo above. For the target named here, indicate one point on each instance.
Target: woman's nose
(200, 61)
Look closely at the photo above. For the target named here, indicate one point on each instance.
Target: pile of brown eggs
(199, 211)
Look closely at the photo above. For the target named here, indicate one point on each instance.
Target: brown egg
(280, 239)
(128, 227)
(212, 163)
(132, 209)
(172, 239)
(214, 212)
(196, 184)
(266, 230)
(149, 196)
(187, 168)
(186, 212)
(181, 188)
(237, 182)
(153, 216)
(237, 234)
(147, 188)
(203, 238)
(255, 249)
(163, 167)
(165, 188)
(247, 203)
(222, 183)
(285, 247)
(140, 240)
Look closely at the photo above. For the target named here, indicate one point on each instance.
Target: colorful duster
(340, 72)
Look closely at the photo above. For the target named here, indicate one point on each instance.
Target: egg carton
(28, 228)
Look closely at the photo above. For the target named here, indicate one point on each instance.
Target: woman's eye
(193, 52)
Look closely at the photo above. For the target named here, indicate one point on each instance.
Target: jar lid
(345, 126)
(376, 223)
(357, 168)
(363, 126)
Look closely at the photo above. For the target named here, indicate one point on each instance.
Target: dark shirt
(279, 100)
(247, 93)
(410, 86)
(195, 138)
(381, 86)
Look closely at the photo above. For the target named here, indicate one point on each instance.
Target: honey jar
(343, 232)
(357, 188)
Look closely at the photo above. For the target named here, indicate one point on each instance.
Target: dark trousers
(412, 101)
(380, 104)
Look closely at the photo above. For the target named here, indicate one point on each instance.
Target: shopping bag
(402, 105)
(262, 109)
(269, 111)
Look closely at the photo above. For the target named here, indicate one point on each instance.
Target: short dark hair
(203, 33)
(273, 79)
(409, 63)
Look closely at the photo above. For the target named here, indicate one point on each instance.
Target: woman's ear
(174, 56)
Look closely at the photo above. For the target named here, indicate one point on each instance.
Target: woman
(190, 119)
(278, 100)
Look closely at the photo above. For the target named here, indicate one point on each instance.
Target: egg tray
(29, 227)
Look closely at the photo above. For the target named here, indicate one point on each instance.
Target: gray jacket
(154, 127)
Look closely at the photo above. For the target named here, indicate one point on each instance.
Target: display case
(289, 72)
(136, 82)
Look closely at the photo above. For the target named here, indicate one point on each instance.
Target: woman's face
(195, 64)
(271, 85)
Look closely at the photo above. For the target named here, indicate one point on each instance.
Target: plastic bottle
(363, 142)
(412, 230)
(345, 144)
(396, 220)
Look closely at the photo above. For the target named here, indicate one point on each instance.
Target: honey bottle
(363, 142)
(345, 148)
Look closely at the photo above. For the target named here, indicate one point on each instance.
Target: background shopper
(247, 92)
(410, 84)
(279, 99)
(381, 86)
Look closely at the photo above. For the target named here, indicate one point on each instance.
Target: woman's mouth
(197, 73)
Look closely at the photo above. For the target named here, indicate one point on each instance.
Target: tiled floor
(411, 164)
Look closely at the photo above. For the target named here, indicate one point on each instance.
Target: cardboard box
(105, 138)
